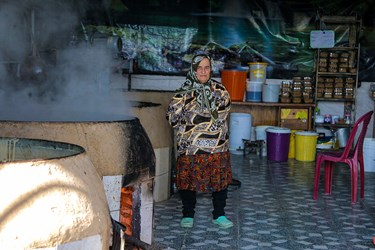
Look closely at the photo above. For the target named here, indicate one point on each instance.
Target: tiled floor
(274, 209)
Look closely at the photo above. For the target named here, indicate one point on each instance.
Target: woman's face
(204, 71)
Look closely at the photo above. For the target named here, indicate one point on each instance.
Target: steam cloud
(76, 86)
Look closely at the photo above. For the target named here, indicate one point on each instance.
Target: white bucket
(260, 133)
(253, 91)
(239, 128)
(270, 92)
(253, 134)
(368, 154)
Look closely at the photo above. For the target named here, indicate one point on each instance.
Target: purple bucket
(278, 139)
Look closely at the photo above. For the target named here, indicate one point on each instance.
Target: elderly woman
(198, 111)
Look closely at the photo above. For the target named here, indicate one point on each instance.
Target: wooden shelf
(275, 104)
(336, 74)
(269, 113)
(350, 45)
(336, 99)
(333, 125)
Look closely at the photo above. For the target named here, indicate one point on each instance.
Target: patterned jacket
(196, 131)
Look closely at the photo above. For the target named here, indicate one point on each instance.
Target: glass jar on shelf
(327, 118)
(348, 119)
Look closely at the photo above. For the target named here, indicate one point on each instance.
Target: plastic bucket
(235, 82)
(258, 71)
(239, 128)
(306, 145)
(278, 139)
(260, 133)
(292, 145)
(368, 154)
(253, 91)
(270, 92)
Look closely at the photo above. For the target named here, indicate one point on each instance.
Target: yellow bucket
(292, 144)
(306, 145)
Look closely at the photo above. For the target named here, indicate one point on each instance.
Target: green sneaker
(187, 222)
(223, 222)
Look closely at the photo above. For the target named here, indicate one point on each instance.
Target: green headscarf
(205, 99)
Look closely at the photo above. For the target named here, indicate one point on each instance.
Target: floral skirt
(204, 172)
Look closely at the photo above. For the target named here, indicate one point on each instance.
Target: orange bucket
(235, 82)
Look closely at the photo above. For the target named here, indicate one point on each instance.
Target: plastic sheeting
(235, 33)
(154, 48)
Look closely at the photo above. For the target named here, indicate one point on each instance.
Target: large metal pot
(342, 136)
(51, 195)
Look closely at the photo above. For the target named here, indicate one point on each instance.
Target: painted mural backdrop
(162, 36)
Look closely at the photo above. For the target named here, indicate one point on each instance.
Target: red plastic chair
(350, 155)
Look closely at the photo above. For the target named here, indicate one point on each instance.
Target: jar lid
(255, 63)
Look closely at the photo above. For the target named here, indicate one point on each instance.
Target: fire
(126, 209)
